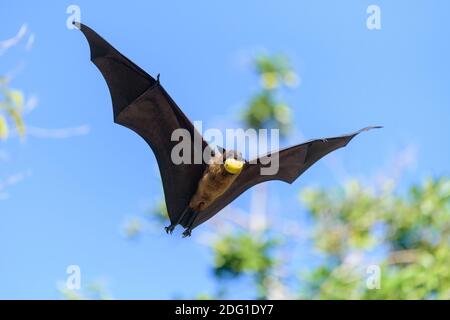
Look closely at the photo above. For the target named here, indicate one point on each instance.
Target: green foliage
(411, 234)
(416, 234)
(153, 219)
(159, 212)
(334, 234)
(245, 254)
(275, 71)
(133, 228)
(11, 109)
(242, 253)
(265, 110)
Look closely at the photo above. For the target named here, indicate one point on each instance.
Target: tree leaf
(15, 115)
(3, 128)
(17, 98)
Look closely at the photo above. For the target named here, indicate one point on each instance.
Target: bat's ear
(220, 150)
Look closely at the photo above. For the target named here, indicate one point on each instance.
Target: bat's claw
(169, 229)
(187, 233)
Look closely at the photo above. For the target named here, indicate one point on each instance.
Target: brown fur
(212, 185)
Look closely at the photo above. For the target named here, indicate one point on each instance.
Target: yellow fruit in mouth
(233, 166)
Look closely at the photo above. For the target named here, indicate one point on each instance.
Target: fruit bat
(194, 192)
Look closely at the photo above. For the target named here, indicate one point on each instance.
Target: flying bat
(194, 192)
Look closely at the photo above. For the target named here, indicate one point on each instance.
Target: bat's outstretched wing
(141, 104)
(293, 162)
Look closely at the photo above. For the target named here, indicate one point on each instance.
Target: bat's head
(233, 161)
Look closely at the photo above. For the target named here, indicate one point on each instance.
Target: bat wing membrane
(141, 104)
(293, 161)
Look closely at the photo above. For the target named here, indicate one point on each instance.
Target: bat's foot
(187, 232)
(170, 228)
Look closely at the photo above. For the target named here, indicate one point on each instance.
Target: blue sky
(76, 192)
